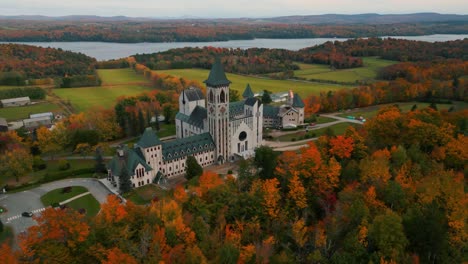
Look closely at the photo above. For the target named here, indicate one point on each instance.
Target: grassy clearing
(56, 196)
(166, 130)
(259, 84)
(87, 202)
(105, 96)
(323, 120)
(16, 113)
(372, 111)
(322, 72)
(145, 194)
(119, 76)
(337, 129)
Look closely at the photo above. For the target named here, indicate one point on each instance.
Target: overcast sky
(219, 8)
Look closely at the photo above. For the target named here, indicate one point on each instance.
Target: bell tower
(217, 94)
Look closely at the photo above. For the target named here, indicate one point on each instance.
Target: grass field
(87, 202)
(323, 72)
(371, 111)
(337, 129)
(116, 82)
(259, 84)
(145, 194)
(16, 113)
(120, 76)
(56, 196)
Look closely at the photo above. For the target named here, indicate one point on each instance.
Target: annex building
(208, 127)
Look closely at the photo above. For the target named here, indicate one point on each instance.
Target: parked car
(27, 214)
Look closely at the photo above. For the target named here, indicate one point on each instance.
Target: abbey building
(210, 128)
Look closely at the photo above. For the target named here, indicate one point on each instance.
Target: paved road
(29, 201)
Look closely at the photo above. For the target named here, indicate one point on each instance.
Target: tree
(124, 179)
(265, 160)
(83, 149)
(99, 167)
(233, 95)
(193, 168)
(47, 141)
(341, 147)
(168, 113)
(266, 98)
(387, 236)
(15, 163)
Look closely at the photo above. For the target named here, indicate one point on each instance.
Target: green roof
(149, 139)
(270, 111)
(183, 147)
(248, 92)
(297, 101)
(236, 108)
(217, 76)
(131, 158)
(196, 118)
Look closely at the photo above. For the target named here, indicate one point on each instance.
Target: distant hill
(369, 18)
(306, 19)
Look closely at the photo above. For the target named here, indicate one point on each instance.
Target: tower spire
(217, 75)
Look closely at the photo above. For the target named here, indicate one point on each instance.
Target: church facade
(210, 128)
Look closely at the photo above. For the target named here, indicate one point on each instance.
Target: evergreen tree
(1, 226)
(266, 98)
(156, 122)
(415, 106)
(168, 114)
(100, 167)
(265, 161)
(193, 168)
(141, 122)
(125, 182)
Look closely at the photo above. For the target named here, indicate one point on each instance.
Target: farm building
(32, 123)
(3, 125)
(47, 114)
(12, 102)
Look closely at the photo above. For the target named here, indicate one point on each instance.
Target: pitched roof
(188, 146)
(270, 111)
(12, 100)
(236, 108)
(248, 92)
(193, 94)
(148, 139)
(196, 118)
(251, 101)
(297, 101)
(217, 76)
(131, 158)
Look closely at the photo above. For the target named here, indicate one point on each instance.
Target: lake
(109, 50)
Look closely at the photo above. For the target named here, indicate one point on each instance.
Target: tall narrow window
(223, 97)
(211, 97)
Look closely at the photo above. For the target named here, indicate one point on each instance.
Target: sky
(226, 9)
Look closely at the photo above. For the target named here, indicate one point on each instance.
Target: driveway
(29, 201)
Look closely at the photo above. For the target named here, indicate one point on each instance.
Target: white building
(211, 129)
(12, 102)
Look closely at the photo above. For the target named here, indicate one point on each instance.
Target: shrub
(55, 205)
(293, 139)
(229, 172)
(64, 165)
(39, 164)
(67, 189)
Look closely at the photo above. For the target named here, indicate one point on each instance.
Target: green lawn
(120, 76)
(371, 111)
(323, 120)
(322, 72)
(16, 113)
(87, 202)
(145, 194)
(56, 196)
(337, 129)
(166, 130)
(259, 84)
(88, 97)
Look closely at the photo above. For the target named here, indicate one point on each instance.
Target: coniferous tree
(100, 167)
(156, 122)
(193, 168)
(141, 122)
(125, 182)
(266, 98)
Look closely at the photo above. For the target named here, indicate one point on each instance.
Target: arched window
(223, 97)
(211, 97)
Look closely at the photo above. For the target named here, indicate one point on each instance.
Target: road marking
(9, 219)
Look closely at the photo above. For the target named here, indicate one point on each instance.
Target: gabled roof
(131, 158)
(183, 147)
(270, 111)
(217, 76)
(193, 94)
(251, 101)
(149, 139)
(236, 108)
(12, 100)
(297, 101)
(196, 118)
(248, 92)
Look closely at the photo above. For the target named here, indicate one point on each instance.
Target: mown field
(16, 113)
(116, 82)
(322, 72)
(259, 84)
(372, 111)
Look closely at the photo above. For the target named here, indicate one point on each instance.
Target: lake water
(109, 50)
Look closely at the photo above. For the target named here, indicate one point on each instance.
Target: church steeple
(217, 76)
(248, 92)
